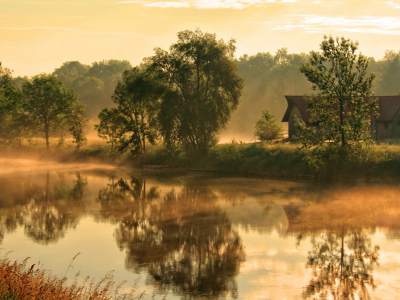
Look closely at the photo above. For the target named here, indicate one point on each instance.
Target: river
(201, 236)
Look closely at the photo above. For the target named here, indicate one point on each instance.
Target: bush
(267, 128)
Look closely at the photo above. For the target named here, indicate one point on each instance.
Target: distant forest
(267, 77)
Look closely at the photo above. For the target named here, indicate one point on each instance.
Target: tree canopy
(94, 84)
(134, 120)
(340, 111)
(203, 88)
(51, 107)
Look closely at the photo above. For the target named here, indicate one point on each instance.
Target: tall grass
(19, 281)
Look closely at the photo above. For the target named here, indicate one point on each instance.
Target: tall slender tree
(340, 111)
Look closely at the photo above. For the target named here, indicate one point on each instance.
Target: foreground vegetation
(19, 281)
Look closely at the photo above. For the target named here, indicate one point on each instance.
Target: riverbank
(237, 159)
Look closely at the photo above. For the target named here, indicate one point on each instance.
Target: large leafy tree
(50, 107)
(204, 88)
(134, 121)
(340, 111)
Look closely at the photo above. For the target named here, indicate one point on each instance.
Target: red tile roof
(388, 107)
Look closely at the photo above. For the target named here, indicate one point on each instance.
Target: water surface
(201, 236)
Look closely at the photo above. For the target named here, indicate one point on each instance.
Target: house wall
(396, 123)
(294, 114)
(388, 129)
(385, 130)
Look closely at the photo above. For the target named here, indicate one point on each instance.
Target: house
(385, 126)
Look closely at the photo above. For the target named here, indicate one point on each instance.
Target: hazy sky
(39, 35)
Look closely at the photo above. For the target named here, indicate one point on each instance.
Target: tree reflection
(45, 211)
(341, 266)
(180, 236)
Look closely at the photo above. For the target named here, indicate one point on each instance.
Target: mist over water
(201, 236)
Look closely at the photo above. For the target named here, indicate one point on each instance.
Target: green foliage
(387, 71)
(203, 89)
(339, 112)
(13, 121)
(5, 76)
(267, 128)
(19, 81)
(268, 77)
(77, 122)
(90, 91)
(69, 72)
(94, 84)
(111, 126)
(134, 121)
(109, 72)
(51, 107)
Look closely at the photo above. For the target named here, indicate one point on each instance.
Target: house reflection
(179, 235)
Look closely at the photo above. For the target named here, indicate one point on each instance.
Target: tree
(267, 128)
(109, 71)
(111, 126)
(90, 91)
(49, 105)
(12, 118)
(69, 72)
(77, 122)
(13, 125)
(5, 76)
(203, 89)
(340, 111)
(388, 71)
(134, 121)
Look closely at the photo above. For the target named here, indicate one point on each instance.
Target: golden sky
(39, 35)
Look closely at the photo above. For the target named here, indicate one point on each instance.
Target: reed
(21, 281)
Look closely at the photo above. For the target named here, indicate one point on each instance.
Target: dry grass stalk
(19, 281)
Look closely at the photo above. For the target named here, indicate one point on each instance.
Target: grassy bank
(264, 160)
(19, 281)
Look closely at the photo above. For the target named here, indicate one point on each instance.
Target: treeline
(42, 106)
(94, 84)
(168, 96)
(184, 97)
(269, 77)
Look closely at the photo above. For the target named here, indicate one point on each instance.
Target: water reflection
(342, 265)
(46, 209)
(180, 236)
(187, 233)
(340, 228)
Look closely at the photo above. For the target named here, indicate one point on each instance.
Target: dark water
(204, 237)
